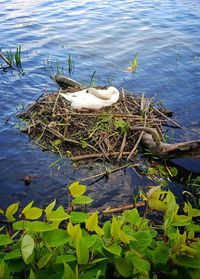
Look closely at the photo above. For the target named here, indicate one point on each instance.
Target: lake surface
(101, 36)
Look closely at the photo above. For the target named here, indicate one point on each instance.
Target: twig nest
(99, 134)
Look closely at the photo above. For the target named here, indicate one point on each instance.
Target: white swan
(92, 98)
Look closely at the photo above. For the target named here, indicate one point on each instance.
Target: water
(101, 36)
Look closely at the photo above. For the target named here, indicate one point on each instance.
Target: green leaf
(107, 230)
(82, 251)
(5, 240)
(31, 275)
(140, 264)
(65, 258)
(181, 220)
(74, 231)
(95, 272)
(1, 211)
(50, 207)
(174, 171)
(27, 207)
(36, 226)
(82, 200)
(132, 216)
(115, 228)
(161, 255)
(143, 240)
(11, 210)
(58, 215)
(76, 189)
(15, 254)
(4, 271)
(93, 241)
(185, 261)
(125, 238)
(92, 222)
(195, 212)
(113, 249)
(27, 247)
(78, 217)
(44, 260)
(193, 227)
(33, 213)
(124, 267)
(68, 272)
(157, 205)
(56, 238)
(16, 265)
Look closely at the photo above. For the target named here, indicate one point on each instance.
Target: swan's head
(113, 91)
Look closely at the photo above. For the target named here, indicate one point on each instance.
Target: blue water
(101, 36)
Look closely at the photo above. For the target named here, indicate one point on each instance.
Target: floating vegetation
(108, 133)
(133, 64)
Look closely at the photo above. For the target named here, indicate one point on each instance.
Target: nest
(100, 134)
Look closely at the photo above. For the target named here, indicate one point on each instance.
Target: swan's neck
(101, 94)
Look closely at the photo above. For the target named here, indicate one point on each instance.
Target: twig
(122, 208)
(135, 146)
(96, 155)
(6, 60)
(54, 107)
(169, 119)
(122, 146)
(109, 172)
(124, 101)
(145, 120)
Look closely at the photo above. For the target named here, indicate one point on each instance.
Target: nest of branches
(99, 134)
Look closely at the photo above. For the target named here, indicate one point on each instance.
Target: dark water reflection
(101, 36)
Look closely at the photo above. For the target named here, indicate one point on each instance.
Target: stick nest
(106, 133)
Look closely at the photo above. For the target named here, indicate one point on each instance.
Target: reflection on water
(101, 36)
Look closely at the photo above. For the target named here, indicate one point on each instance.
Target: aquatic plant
(18, 56)
(12, 59)
(39, 242)
(70, 64)
(91, 83)
(133, 64)
(56, 67)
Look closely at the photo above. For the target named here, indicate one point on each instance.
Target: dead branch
(97, 155)
(6, 60)
(152, 141)
(122, 208)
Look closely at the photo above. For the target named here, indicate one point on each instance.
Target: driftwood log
(152, 141)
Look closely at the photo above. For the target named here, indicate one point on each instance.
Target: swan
(92, 98)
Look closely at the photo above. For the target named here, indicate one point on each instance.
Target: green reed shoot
(18, 56)
(133, 64)
(10, 56)
(70, 63)
(92, 79)
(14, 57)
